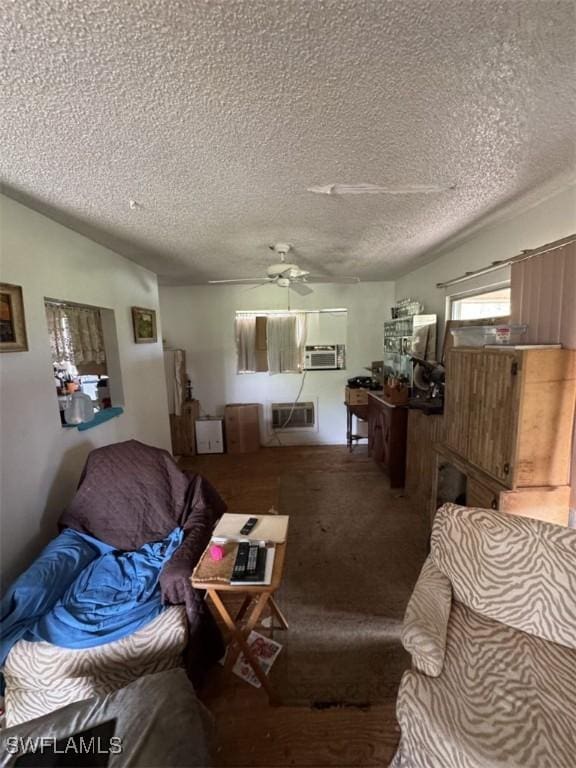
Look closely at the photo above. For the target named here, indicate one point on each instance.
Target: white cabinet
(209, 436)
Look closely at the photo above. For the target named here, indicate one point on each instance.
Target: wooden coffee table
(262, 595)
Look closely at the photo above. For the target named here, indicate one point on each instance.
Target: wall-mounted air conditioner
(327, 357)
(290, 416)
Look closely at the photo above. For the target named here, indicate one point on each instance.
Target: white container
(209, 436)
(482, 335)
(79, 409)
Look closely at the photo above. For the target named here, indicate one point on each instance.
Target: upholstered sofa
(41, 677)
(491, 628)
(157, 720)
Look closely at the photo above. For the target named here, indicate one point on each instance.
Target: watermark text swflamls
(78, 745)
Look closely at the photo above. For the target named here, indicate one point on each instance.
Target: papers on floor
(272, 528)
(264, 650)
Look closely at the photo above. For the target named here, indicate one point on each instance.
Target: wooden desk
(387, 427)
(262, 594)
(361, 412)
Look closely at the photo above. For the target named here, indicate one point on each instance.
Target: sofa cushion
(426, 619)
(519, 571)
(41, 677)
(504, 699)
(158, 720)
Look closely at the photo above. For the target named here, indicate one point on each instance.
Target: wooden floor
(248, 731)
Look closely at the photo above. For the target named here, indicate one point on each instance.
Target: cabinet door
(379, 432)
(384, 431)
(479, 495)
(461, 385)
(374, 430)
(494, 413)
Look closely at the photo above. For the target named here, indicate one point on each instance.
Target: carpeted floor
(355, 549)
(249, 731)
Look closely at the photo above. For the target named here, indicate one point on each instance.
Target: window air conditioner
(290, 416)
(329, 357)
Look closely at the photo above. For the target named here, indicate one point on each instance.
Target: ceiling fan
(286, 275)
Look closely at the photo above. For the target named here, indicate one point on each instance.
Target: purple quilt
(130, 494)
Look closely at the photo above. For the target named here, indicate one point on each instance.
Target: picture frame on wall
(12, 322)
(144, 321)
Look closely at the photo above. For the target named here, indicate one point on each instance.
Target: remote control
(248, 526)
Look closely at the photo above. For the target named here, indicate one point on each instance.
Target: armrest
(204, 509)
(426, 620)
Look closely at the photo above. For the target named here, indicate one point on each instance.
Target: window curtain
(75, 334)
(245, 326)
(543, 290)
(175, 370)
(286, 335)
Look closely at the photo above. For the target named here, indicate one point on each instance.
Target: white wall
(200, 319)
(550, 220)
(40, 461)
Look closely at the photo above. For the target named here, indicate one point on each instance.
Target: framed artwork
(12, 324)
(144, 321)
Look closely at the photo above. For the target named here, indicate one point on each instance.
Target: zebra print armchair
(491, 628)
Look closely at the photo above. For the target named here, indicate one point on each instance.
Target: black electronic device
(250, 564)
(248, 526)
(363, 382)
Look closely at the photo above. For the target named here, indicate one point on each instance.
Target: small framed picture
(12, 323)
(144, 321)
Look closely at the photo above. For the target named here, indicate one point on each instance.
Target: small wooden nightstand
(262, 594)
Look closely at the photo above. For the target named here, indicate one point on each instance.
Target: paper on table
(271, 528)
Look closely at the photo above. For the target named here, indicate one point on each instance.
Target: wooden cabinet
(387, 425)
(480, 495)
(425, 431)
(460, 372)
(242, 423)
(509, 412)
(493, 413)
(182, 429)
(550, 504)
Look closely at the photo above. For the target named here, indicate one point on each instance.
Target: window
(85, 354)
(273, 342)
(276, 341)
(493, 303)
(76, 338)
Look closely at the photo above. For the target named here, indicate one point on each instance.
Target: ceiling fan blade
(253, 280)
(258, 285)
(322, 279)
(300, 288)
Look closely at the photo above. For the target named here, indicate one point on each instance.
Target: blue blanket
(81, 592)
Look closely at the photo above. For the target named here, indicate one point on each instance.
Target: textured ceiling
(217, 116)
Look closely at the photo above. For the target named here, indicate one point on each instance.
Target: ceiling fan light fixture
(286, 275)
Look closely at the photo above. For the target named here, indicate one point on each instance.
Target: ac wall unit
(287, 416)
(327, 357)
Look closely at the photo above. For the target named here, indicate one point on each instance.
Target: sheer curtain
(286, 336)
(543, 290)
(245, 326)
(75, 334)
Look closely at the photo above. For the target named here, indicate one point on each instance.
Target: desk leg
(278, 613)
(243, 609)
(239, 636)
(349, 428)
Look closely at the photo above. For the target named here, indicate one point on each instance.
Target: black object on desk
(250, 564)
